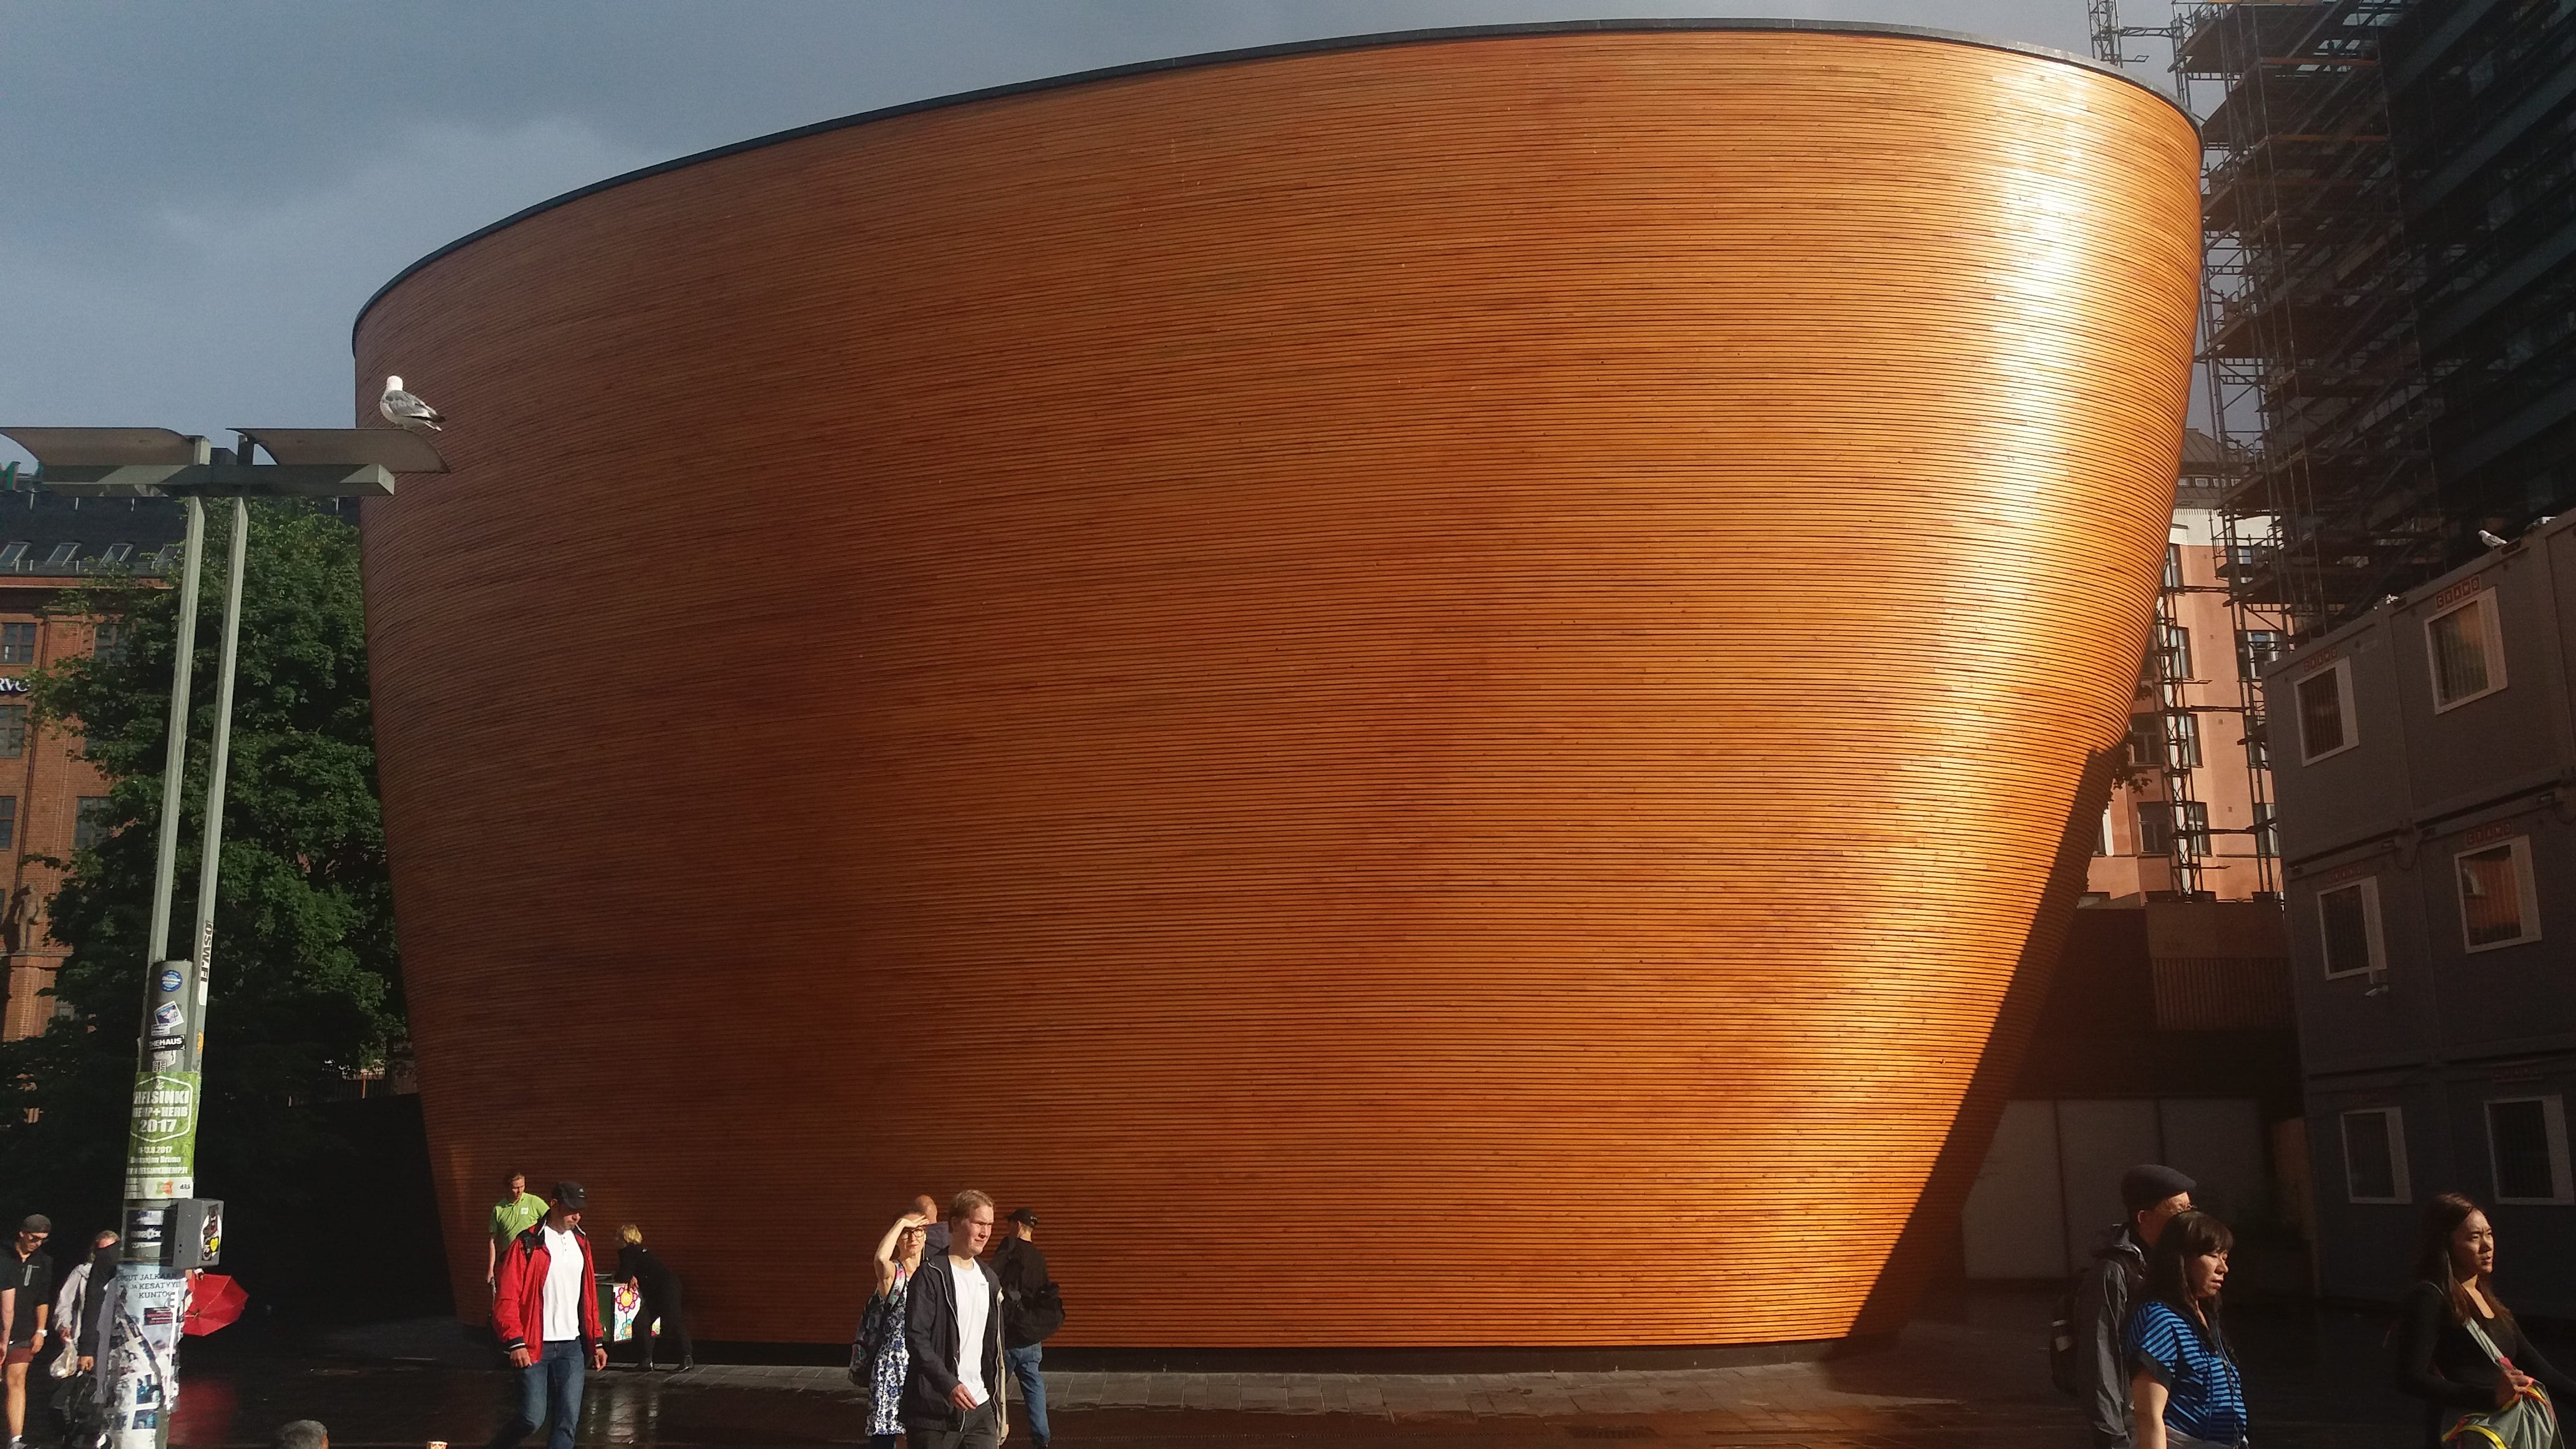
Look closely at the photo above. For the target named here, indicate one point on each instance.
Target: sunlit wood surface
(1425, 691)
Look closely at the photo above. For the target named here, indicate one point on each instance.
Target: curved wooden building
(1377, 674)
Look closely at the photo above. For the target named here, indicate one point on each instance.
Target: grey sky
(195, 199)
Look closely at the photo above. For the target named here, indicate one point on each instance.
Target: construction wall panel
(1370, 675)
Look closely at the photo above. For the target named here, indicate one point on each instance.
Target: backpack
(2065, 1364)
(1029, 1315)
(1034, 1316)
(2066, 1347)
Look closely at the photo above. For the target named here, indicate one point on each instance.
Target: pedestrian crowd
(936, 1358)
(53, 1327)
(2144, 1345)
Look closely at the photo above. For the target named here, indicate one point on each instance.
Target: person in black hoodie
(953, 1394)
(2438, 1359)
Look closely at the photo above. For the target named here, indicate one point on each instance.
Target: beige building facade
(2190, 815)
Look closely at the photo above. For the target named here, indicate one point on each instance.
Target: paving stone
(1960, 1382)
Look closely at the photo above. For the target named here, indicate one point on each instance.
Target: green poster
(161, 1156)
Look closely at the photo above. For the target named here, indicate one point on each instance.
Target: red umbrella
(214, 1301)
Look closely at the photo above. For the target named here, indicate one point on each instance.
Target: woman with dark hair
(2184, 1390)
(2452, 1305)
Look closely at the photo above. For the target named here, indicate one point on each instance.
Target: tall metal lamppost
(167, 1228)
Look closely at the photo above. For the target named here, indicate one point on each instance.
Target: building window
(116, 553)
(2374, 1156)
(2102, 838)
(2173, 650)
(2348, 927)
(2243, 558)
(2527, 1141)
(2467, 651)
(2184, 731)
(2256, 648)
(2192, 829)
(2267, 830)
(2155, 828)
(2173, 565)
(89, 821)
(63, 553)
(17, 643)
(8, 822)
(13, 731)
(107, 643)
(13, 555)
(2146, 742)
(2498, 906)
(2325, 713)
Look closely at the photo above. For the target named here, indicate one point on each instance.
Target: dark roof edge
(1263, 52)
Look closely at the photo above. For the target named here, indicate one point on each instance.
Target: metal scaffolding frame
(2309, 346)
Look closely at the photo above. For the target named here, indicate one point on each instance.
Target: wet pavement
(1971, 1372)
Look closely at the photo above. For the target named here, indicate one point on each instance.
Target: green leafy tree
(306, 980)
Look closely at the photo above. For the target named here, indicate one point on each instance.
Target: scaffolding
(2388, 335)
(2317, 388)
(2251, 178)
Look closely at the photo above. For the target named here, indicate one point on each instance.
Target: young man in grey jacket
(2109, 1287)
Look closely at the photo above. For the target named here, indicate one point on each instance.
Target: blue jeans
(549, 1391)
(1023, 1364)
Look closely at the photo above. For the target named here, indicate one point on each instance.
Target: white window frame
(2397, 1175)
(2526, 893)
(2368, 886)
(2341, 669)
(2553, 1110)
(2103, 842)
(2491, 638)
(2192, 842)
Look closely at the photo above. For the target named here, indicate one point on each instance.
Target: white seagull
(2489, 539)
(405, 411)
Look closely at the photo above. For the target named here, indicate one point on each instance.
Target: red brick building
(49, 544)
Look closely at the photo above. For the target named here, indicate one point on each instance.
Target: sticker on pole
(161, 1155)
(138, 1376)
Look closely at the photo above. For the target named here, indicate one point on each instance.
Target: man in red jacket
(546, 1314)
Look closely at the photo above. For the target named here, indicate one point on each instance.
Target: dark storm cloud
(199, 197)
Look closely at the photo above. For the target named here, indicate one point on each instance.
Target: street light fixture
(161, 1152)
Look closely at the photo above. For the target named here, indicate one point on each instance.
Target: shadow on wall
(374, 1251)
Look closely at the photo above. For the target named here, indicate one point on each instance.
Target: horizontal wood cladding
(1372, 677)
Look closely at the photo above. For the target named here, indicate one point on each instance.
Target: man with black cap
(2110, 1284)
(546, 1314)
(1030, 1311)
(26, 1296)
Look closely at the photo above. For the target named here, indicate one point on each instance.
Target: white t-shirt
(974, 1316)
(563, 1285)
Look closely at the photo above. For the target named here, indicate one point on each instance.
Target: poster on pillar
(138, 1376)
(161, 1155)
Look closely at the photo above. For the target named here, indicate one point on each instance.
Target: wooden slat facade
(1427, 691)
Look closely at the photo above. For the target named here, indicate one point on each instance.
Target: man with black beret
(2150, 1194)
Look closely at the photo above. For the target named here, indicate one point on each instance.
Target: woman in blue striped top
(2183, 1387)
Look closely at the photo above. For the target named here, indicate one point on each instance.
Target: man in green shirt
(511, 1216)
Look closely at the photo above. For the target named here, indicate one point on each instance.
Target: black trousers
(662, 1300)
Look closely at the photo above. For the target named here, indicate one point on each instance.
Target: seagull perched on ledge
(405, 411)
(2489, 539)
